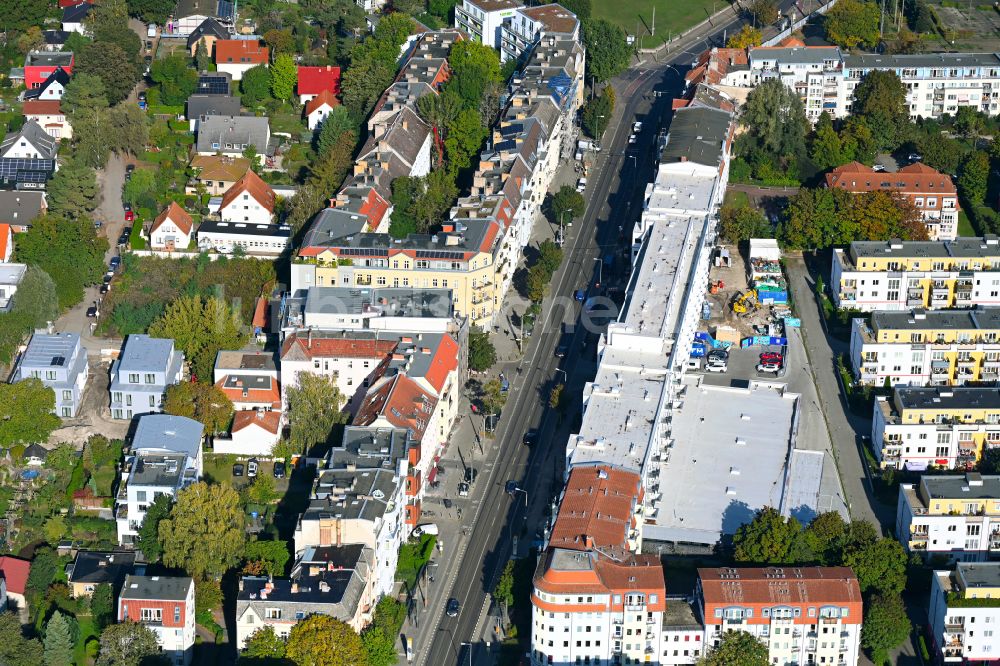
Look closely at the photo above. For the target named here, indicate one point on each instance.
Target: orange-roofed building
(399, 402)
(353, 360)
(171, 230)
(931, 192)
(588, 607)
(600, 508)
(805, 615)
(236, 56)
(253, 433)
(249, 200)
(248, 392)
(319, 107)
(6, 243)
(49, 115)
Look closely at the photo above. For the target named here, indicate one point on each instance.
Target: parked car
(105, 288)
(252, 468)
(637, 126)
(109, 276)
(426, 528)
(581, 185)
(562, 349)
(92, 312)
(470, 474)
(452, 608)
(878, 167)
(126, 206)
(115, 263)
(129, 216)
(463, 489)
(914, 157)
(279, 469)
(238, 469)
(631, 138)
(580, 295)
(123, 239)
(98, 224)
(717, 361)
(511, 487)
(129, 168)
(531, 438)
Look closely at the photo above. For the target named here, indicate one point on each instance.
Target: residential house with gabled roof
(314, 80)
(249, 200)
(73, 17)
(319, 107)
(600, 509)
(208, 33)
(236, 56)
(14, 573)
(140, 376)
(202, 105)
(52, 87)
(214, 83)
(232, 135)
(328, 580)
(59, 361)
(172, 229)
(28, 157)
(397, 401)
(253, 433)
(55, 40)
(49, 115)
(91, 568)
(165, 606)
(353, 359)
(188, 15)
(217, 173)
(19, 208)
(6, 243)
(407, 137)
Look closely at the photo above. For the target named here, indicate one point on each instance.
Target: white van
(426, 528)
(151, 30)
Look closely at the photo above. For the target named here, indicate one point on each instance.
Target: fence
(787, 32)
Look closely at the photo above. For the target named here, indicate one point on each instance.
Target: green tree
(824, 537)
(550, 256)
(128, 644)
(280, 42)
(15, 648)
(767, 539)
(26, 412)
(363, 83)
(60, 639)
(204, 532)
(205, 403)
(149, 530)
(747, 37)
(263, 644)
(827, 149)
(102, 603)
(737, 648)
(493, 397)
(142, 183)
(261, 491)
(273, 556)
(920, 18)
(764, 12)
(740, 223)
(31, 40)
(567, 203)
(151, 11)
(608, 51)
(482, 353)
(73, 192)
(35, 304)
(973, 176)
(473, 67)
(202, 59)
(989, 462)
(886, 625)
(775, 120)
(940, 152)
(335, 126)
(465, 138)
(69, 251)
(200, 327)
(108, 23)
(857, 142)
(109, 61)
(853, 23)
(321, 640)
(440, 111)
(969, 121)
(255, 86)
(176, 78)
(880, 565)
(881, 99)
(54, 528)
(503, 592)
(314, 408)
(284, 74)
(23, 14)
(441, 8)
(84, 93)
(597, 114)
(379, 646)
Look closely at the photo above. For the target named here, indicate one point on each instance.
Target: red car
(129, 216)
(770, 357)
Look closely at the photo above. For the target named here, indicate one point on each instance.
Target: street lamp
(464, 643)
(565, 376)
(600, 271)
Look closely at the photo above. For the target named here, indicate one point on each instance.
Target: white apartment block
(525, 28)
(815, 73)
(965, 613)
(482, 19)
(956, 515)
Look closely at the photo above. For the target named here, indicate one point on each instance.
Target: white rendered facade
(966, 633)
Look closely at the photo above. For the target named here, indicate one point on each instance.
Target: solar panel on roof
(213, 85)
(506, 145)
(225, 9)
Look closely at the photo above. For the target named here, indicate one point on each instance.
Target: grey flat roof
(810, 55)
(979, 574)
(697, 134)
(162, 471)
(246, 229)
(393, 302)
(874, 60)
(244, 360)
(961, 486)
(679, 614)
(48, 58)
(986, 246)
(163, 432)
(142, 353)
(12, 273)
(957, 397)
(729, 458)
(47, 351)
(169, 588)
(987, 319)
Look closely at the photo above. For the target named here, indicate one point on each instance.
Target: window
(150, 378)
(50, 374)
(152, 615)
(152, 401)
(67, 395)
(177, 613)
(272, 613)
(133, 378)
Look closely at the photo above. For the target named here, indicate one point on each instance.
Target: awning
(432, 475)
(916, 465)
(967, 446)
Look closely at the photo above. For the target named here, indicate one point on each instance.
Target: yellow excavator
(746, 301)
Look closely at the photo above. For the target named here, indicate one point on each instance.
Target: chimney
(309, 344)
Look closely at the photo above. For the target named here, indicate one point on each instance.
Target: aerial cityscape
(499, 332)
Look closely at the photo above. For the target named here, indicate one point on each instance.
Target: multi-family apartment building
(522, 31)
(920, 427)
(805, 615)
(825, 77)
(141, 374)
(600, 508)
(964, 613)
(899, 275)
(931, 192)
(483, 19)
(59, 361)
(165, 457)
(920, 348)
(165, 606)
(957, 516)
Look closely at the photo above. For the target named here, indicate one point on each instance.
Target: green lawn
(736, 199)
(86, 632)
(964, 225)
(672, 16)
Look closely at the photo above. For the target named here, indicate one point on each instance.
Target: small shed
(35, 455)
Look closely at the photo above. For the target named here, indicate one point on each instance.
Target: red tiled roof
(323, 97)
(912, 179)
(177, 215)
(240, 51)
(444, 362)
(603, 575)
(597, 508)
(15, 573)
(338, 347)
(374, 208)
(270, 421)
(260, 313)
(5, 236)
(252, 184)
(791, 41)
(42, 107)
(313, 80)
(401, 402)
(272, 394)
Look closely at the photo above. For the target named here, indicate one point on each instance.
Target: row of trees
(261, 83)
(820, 218)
